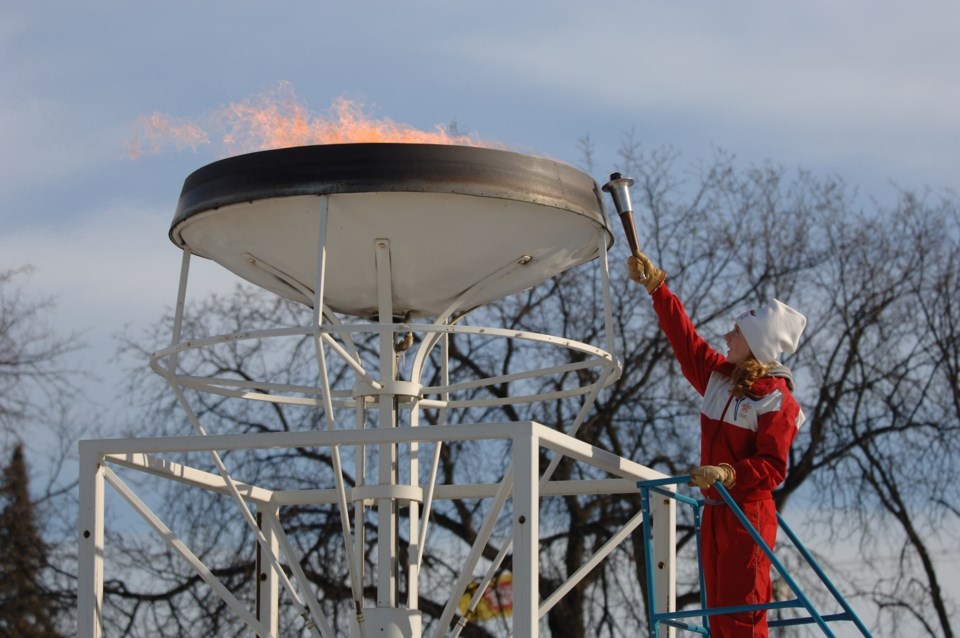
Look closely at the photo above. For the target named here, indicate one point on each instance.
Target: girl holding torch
(748, 419)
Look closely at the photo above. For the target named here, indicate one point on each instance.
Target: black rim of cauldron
(388, 167)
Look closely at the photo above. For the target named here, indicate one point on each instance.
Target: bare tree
(36, 421)
(26, 607)
(877, 372)
(886, 419)
(32, 372)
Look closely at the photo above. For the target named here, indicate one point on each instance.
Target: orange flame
(158, 128)
(279, 120)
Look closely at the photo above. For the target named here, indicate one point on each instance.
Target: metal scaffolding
(397, 479)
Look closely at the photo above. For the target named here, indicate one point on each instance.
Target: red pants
(736, 570)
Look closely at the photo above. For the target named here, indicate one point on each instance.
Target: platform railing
(679, 619)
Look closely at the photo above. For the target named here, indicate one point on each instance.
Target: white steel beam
(387, 536)
(594, 456)
(526, 531)
(663, 510)
(268, 582)
(90, 559)
(187, 475)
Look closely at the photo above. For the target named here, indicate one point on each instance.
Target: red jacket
(753, 434)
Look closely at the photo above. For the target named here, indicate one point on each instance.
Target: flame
(278, 119)
(158, 128)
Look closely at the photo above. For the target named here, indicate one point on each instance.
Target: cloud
(33, 129)
(106, 272)
(112, 263)
(872, 83)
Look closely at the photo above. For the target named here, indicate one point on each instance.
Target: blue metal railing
(675, 618)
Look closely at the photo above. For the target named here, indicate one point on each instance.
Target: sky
(864, 90)
(867, 91)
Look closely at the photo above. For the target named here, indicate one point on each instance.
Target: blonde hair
(745, 374)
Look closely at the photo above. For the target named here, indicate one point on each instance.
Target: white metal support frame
(521, 485)
(527, 439)
(398, 404)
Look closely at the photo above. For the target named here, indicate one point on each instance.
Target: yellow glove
(706, 475)
(642, 271)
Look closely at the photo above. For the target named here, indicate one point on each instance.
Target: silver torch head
(619, 189)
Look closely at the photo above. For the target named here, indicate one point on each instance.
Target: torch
(619, 189)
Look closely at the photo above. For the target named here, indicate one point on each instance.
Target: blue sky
(865, 90)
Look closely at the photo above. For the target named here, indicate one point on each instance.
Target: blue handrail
(673, 619)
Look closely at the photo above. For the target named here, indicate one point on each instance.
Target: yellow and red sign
(496, 602)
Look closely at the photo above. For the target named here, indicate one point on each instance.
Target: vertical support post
(359, 509)
(608, 330)
(664, 513)
(90, 568)
(268, 583)
(387, 468)
(318, 293)
(526, 530)
(356, 585)
(413, 532)
(180, 306)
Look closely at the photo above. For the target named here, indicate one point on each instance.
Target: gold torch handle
(630, 230)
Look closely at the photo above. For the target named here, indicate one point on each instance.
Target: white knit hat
(772, 329)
